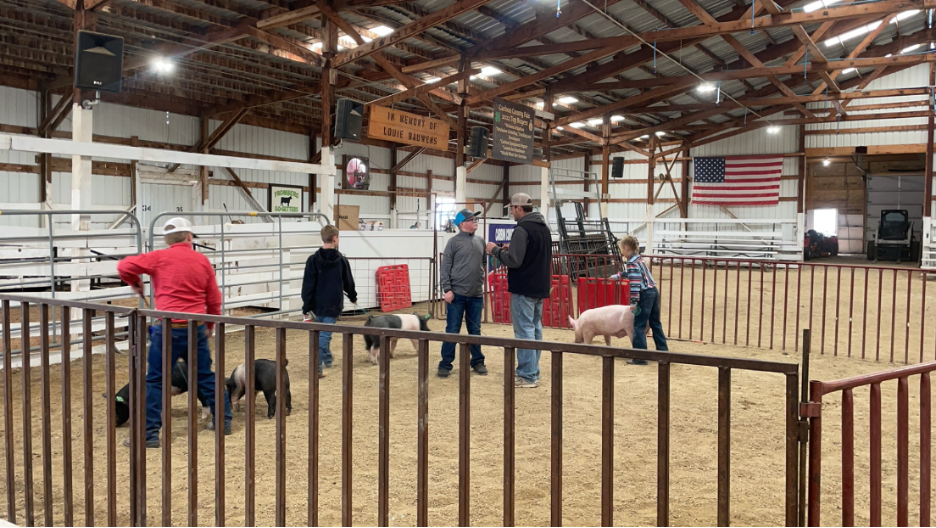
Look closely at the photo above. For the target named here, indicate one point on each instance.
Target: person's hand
(210, 332)
(137, 288)
(449, 296)
(490, 247)
(633, 308)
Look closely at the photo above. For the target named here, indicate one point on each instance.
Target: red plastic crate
(393, 288)
(558, 307)
(598, 292)
(500, 297)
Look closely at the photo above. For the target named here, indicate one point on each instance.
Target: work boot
(444, 373)
(150, 444)
(227, 428)
(480, 369)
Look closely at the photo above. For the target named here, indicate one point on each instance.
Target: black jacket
(529, 257)
(327, 273)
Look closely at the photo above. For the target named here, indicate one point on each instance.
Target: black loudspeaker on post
(478, 144)
(98, 61)
(617, 168)
(349, 119)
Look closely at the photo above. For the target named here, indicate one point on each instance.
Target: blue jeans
(649, 313)
(325, 355)
(205, 383)
(527, 315)
(468, 308)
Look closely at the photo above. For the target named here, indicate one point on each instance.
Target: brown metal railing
(772, 301)
(138, 320)
(813, 410)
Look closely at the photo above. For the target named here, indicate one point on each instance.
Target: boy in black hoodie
(327, 273)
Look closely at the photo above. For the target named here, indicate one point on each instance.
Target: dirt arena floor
(757, 434)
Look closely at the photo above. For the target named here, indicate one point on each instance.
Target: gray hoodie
(463, 265)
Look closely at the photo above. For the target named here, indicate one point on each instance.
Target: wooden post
(507, 193)
(203, 170)
(684, 186)
(394, 159)
(329, 78)
(651, 166)
(312, 183)
(586, 165)
(928, 184)
(801, 179)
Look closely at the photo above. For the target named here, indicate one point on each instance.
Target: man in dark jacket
(528, 259)
(463, 284)
(327, 273)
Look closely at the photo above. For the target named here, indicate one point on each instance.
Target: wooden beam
(409, 30)
(57, 115)
(475, 164)
(421, 89)
(881, 8)
(814, 51)
(288, 18)
(412, 155)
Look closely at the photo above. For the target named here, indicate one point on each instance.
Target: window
(445, 211)
(826, 221)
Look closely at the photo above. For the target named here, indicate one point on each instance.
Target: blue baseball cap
(464, 214)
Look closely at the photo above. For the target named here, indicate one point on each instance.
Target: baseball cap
(520, 199)
(464, 214)
(177, 225)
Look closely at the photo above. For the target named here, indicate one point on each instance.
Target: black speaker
(617, 168)
(349, 118)
(478, 144)
(98, 61)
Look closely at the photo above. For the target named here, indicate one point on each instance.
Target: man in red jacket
(183, 281)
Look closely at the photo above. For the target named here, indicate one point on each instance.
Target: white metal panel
(757, 141)
(19, 107)
(149, 125)
(894, 192)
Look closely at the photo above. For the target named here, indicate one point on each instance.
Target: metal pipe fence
(871, 312)
(63, 487)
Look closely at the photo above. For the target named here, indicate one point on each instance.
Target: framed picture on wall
(356, 174)
(284, 198)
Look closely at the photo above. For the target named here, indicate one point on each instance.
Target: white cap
(176, 225)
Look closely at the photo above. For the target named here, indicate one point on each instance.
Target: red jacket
(182, 279)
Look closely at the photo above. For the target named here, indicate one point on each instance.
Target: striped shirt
(639, 276)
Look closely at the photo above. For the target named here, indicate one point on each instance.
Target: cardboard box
(346, 217)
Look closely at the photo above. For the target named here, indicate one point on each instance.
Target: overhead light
(489, 71)
(577, 124)
(773, 129)
(645, 136)
(567, 100)
(433, 80)
(617, 119)
(809, 8)
(540, 105)
(826, 162)
(559, 128)
(162, 65)
(911, 48)
(847, 70)
(594, 122)
(660, 133)
(888, 55)
(383, 31)
(706, 87)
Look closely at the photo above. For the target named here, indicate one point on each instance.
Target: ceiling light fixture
(383, 31)
(162, 65)
(577, 124)
(911, 48)
(617, 119)
(706, 87)
(489, 71)
(773, 129)
(594, 122)
(567, 100)
(433, 80)
(826, 162)
(660, 133)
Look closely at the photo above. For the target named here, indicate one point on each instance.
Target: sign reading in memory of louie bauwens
(410, 129)
(513, 132)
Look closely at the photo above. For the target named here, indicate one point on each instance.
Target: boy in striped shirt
(644, 298)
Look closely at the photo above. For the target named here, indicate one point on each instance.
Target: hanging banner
(513, 132)
(406, 128)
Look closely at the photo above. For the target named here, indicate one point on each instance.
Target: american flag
(737, 180)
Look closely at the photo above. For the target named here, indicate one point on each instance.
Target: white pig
(608, 321)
